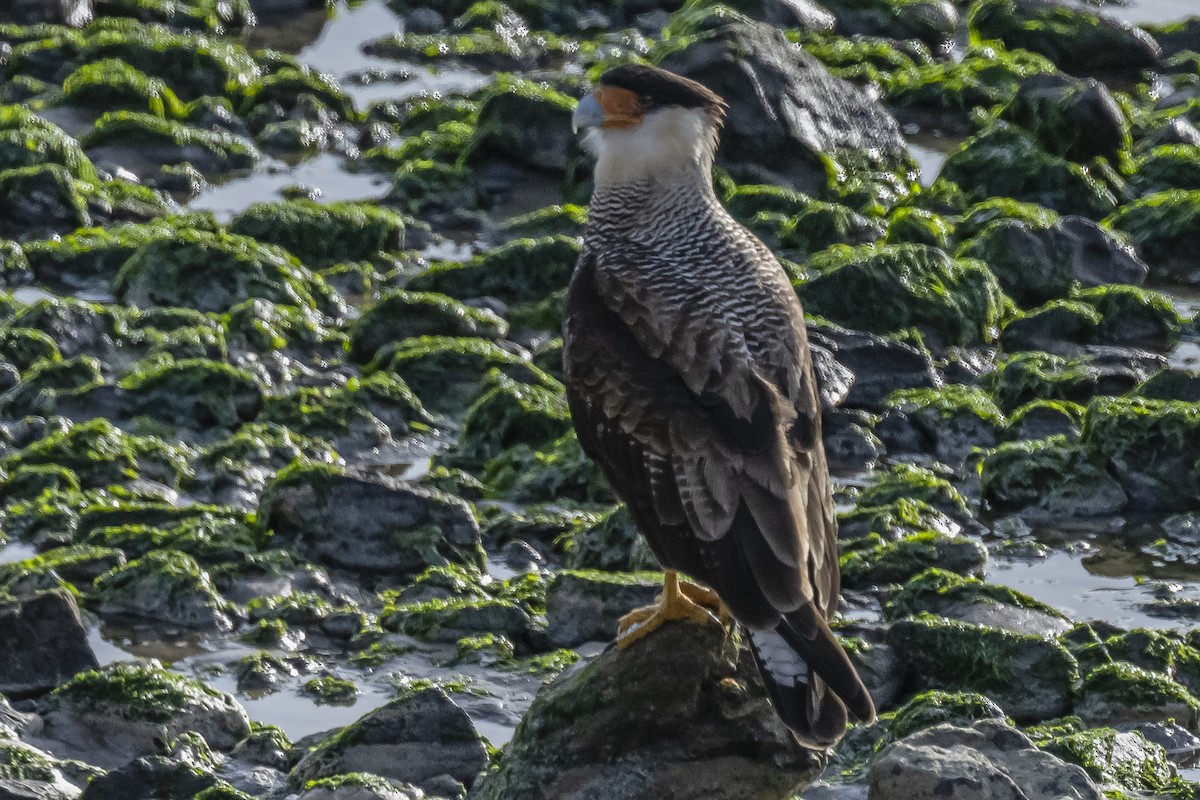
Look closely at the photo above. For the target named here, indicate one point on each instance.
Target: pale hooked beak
(588, 114)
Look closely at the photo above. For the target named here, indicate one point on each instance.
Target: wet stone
(413, 739)
(987, 761)
(666, 717)
(585, 605)
(42, 643)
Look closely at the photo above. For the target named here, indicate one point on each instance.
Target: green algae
(520, 271)
(1052, 474)
(936, 590)
(330, 411)
(523, 121)
(142, 691)
(873, 561)
(510, 414)
(987, 75)
(43, 197)
(172, 141)
(194, 393)
(886, 289)
(286, 87)
(401, 314)
(1165, 228)
(330, 689)
(911, 482)
(1033, 375)
(112, 84)
(1167, 167)
(321, 234)
(27, 140)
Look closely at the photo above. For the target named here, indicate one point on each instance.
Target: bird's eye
(645, 100)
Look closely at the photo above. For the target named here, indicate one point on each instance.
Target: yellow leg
(678, 601)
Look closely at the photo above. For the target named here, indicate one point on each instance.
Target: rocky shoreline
(293, 460)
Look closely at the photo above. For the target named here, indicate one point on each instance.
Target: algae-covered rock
(1165, 228)
(368, 522)
(112, 84)
(1133, 317)
(453, 619)
(359, 786)
(1152, 447)
(524, 122)
(942, 592)
(585, 605)
(786, 110)
(418, 736)
(872, 561)
(1076, 119)
(1121, 692)
(42, 644)
(402, 314)
(290, 88)
(1052, 475)
(1078, 40)
(1042, 260)
(916, 484)
(610, 543)
(166, 586)
(884, 289)
(1168, 166)
(145, 142)
(521, 271)
(1032, 375)
(215, 272)
(320, 234)
(554, 472)
(510, 414)
(44, 198)
(1060, 326)
(667, 717)
(987, 759)
(928, 21)
(115, 713)
(28, 140)
(1028, 676)
(1116, 758)
(1005, 161)
(194, 393)
(957, 419)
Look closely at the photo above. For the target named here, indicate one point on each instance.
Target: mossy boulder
(1005, 161)
(447, 372)
(166, 586)
(1050, 474)
(1165, 228)
(418, 736)
(402, 314)
(194, 393)
(1076, 119)
(1121, 692)
(526, 123)
(956, 418)
(28, 140)
(293, 88)
(112, 84)
(1152, 447)
(885, 289)
(1117, 758)
(1133, 317)
(932, 23)
(431, 188)
(1166, 167)
(567, 219)
(966, 599)
(521, 271)
(585, 605)
(121, 710)
(609, 543)
(263, 325)
(1078, 40)
(44, 198)
(1058, 326)
(78, 565)
(320, 234)
(1040, 259)
(145, 139)
(554, 472)
(451, 620)
(1033, 375)
(1031, 678)
(874, 561)
(396, 527)
(215, 272)
(663, 714)
(510, 414)
(912, 483)
(25, 347)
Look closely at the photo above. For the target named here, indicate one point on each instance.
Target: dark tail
(809, 678)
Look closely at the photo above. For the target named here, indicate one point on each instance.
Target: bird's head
(644, 122)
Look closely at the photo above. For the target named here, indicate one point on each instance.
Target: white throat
(670, 144)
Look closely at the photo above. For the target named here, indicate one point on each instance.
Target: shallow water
(1153, 11)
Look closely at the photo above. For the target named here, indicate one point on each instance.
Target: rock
(1051, 474)
(520, 271)
(880, 366)
(1117, 758)
(940, 591)
(1076, 119)
(144, 143)
(1038, 262)
(956, 419)
(1151, 446)
(73, 13)
(850, 444)
(932, 22)
(881, 289)
(1165, 228)
(401, 315)
(324, 233)
(359, 786)
(871, 562)
(42, 643)
(43, 199)
(667, 717)
(119, 712)
(510, 414)
(1029, 677)
(525, 123)
(1121, 692)
(786, 110)
(150, 778)
(369, 522)
(1006, 161)
(987, 761)
(1172, 384)
(585, 605)
(1060, 326)
(1166, 167)
(413, 739)
(424, 20)
(166, 586)
(1079, 41)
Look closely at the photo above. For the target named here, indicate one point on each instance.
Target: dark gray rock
(370, 522)
(42, 643)
(833, 379)
(849, 443)
(150, 778)
(785, 108)
(880, 366)
(1073, 118)
(1176, 131)
(987, 761)
(413, 739)
(74, 13)
(36, 790)
(585, 605)
(669, 717)
(424, 20)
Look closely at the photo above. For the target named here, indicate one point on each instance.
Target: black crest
(658, 88)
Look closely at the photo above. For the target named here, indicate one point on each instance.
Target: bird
(690, 383)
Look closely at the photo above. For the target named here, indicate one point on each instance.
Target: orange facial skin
(622, 108)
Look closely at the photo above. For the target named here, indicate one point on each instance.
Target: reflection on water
(1152, 11)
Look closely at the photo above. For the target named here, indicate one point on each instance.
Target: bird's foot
(679, 601)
